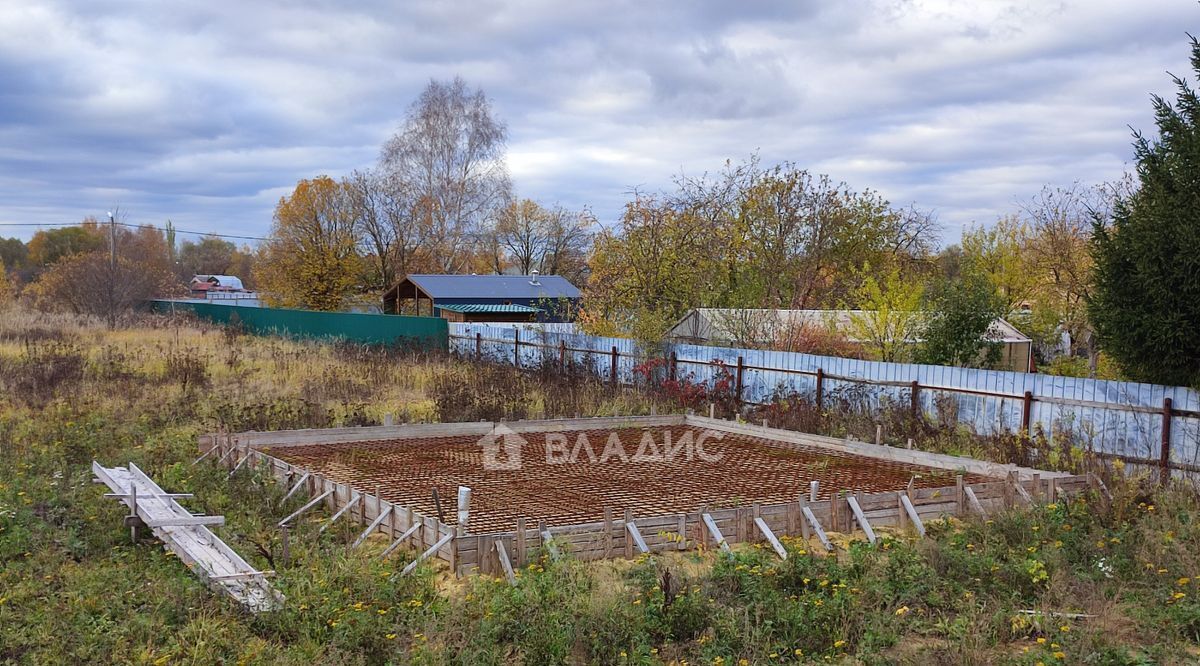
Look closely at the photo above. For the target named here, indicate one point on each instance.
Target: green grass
(73, 589)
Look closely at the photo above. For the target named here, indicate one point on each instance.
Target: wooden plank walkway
(205, 554)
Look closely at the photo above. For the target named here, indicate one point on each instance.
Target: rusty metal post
(478, 347)
(674, 365)
(820, 389)
(741, 368)
(916, 399)
(517, 348)
(1026, 412)
(562, 353)
(612, 370)
(1165, 455)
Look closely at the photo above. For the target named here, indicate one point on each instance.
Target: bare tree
(374, 226)
(568, 239)
(553, 241)
(449, 156)
(521, 231)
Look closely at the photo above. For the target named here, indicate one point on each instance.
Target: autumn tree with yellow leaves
(6, 288)
(311, 260)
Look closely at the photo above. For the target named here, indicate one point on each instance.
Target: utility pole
(112, 269)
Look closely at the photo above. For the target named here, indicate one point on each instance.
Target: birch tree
(449, 156)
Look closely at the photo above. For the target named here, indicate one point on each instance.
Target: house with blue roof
(485, 298)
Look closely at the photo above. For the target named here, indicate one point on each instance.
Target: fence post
(741, 367)
(517, 348)
(820, 389)
(916, 399)
(674, 364)
(1026, 411)
(562, 353)
(479, 346)
(1165, 459)
(612, 371)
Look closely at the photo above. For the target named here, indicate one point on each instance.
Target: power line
(137, 226)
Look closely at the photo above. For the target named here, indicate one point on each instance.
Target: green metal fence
(423, 332)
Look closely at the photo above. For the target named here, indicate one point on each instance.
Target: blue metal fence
(1144, 423)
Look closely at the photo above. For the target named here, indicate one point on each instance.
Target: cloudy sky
(206, 113)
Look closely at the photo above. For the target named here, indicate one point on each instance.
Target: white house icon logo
(502, 448)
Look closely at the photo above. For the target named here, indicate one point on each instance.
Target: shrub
(42, 372)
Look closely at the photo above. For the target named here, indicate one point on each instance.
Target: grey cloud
(207, 113)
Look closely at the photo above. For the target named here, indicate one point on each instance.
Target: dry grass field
(1064, 583)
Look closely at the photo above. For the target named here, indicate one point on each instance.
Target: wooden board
(194, 544)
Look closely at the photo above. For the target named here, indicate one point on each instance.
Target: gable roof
(228, 281)
(483, 287)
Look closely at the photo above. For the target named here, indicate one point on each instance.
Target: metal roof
(231, 281)
(488, 308)
(487, 287)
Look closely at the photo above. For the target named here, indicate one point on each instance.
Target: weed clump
(42, 372)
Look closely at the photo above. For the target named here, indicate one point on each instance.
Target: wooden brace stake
(425, 555)
(716, 533)
(862, 519)
(817, 529)
(505, 564)
(637, 537)
(375, 524)
(1021, 492)
(912, 514)
(770, 536)
(401, 539)
(238, 466)
(311, 503)
(973, 501)
(349, 505)
(206, 454)
(298, 486)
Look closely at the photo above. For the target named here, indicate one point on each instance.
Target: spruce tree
(1146, 303)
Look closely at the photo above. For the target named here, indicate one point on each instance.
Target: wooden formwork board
(686, 531)
(559, 488)
(369, 506)
(661, 528)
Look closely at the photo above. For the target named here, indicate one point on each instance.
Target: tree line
(1103, 278)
